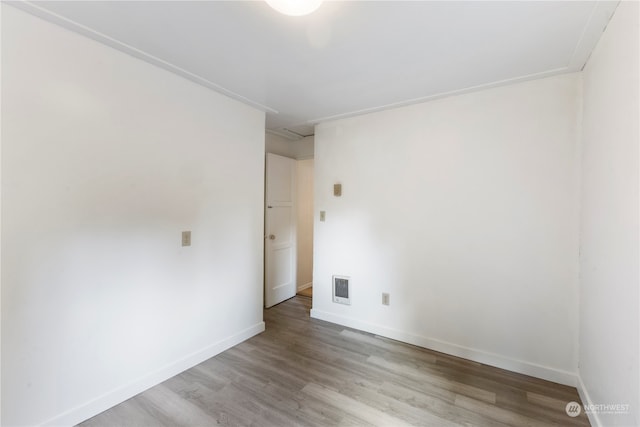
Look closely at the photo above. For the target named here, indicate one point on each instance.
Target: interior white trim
(422, 99)
(69, 24)
(594, 420)
(601, 12)
(519, 366)
(284, 134)
(127, 391)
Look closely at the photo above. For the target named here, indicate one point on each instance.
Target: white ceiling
(347, 57)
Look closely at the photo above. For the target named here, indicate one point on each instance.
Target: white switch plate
(186, 238)
(385, 298)
(322, 215)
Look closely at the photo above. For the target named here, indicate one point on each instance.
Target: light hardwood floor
(306, 372)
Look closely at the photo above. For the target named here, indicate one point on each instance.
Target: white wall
(105, 160)
(609, 322)
(465, 210)
(304, 149)
(304, 189)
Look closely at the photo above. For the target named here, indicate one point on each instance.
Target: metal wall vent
(341, 291)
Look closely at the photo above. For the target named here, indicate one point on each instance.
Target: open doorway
(300, 151)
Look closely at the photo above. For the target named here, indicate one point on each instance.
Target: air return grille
(341, 291)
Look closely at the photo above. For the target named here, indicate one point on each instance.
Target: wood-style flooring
(307, 372)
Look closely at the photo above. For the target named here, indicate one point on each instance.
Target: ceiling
(347, 58)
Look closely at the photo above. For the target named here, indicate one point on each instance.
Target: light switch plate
(385, 298)
(322, 215)
(337, 190)
(186, 238)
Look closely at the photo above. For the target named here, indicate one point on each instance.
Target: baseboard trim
(594, 420)
(514, 365)
(120, 394)
(305, 286)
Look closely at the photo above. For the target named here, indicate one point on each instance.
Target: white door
(280, 230)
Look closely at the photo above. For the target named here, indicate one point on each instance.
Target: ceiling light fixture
(294, 7)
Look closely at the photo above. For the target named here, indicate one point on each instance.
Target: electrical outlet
(186, 238)
(385, 298)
